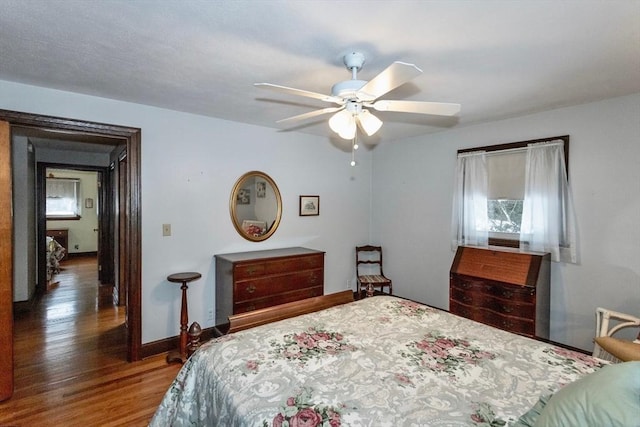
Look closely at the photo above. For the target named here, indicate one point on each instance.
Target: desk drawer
(515, 324)
(499, 305)
(519, 293)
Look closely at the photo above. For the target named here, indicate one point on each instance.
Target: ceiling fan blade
(393, 76)
(435, 108)
(300, 92)
(311, 114)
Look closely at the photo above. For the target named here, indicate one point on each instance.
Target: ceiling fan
(354, 97)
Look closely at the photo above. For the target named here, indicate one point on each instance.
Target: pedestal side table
(180, 355)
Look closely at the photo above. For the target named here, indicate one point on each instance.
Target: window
(505, 192)
(505, 216)
(63, 198)
(498, 177)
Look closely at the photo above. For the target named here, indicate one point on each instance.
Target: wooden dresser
(247, 281)
(504, 288)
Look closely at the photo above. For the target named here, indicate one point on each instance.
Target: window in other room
(63, 198)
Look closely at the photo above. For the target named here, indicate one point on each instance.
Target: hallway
(70, 359)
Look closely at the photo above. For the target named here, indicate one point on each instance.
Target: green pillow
(529, 419)
(608, 397)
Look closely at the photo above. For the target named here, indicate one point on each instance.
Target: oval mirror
(256, 206)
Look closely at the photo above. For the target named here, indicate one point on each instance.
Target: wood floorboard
(70, 359)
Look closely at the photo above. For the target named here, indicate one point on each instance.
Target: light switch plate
(166, 229)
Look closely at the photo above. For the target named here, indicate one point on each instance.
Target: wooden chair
(614, 349)
(369, 271)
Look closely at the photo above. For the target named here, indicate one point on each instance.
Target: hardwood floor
(70, 359)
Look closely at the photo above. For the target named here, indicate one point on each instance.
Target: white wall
(412, 187)
(189, 166)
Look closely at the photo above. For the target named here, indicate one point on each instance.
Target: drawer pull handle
(250, 308)
(507, 294)
(507, 309)
(507, 324)
(467, 299)
(251, 289)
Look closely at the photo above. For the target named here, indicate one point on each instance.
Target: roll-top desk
(247, 281)
(504, 288)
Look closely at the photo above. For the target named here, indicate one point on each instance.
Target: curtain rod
(511, 150)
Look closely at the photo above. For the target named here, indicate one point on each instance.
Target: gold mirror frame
(252, 199)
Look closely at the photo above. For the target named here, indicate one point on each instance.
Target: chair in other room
(369, 272)
(607, 347)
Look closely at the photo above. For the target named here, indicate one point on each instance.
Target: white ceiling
(497, 58)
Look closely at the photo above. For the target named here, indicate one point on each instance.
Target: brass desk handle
(251, 289)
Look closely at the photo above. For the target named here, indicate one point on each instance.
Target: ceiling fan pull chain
(354, 147)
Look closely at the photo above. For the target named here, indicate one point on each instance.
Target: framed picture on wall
(309, 205)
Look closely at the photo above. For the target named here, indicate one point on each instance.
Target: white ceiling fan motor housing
(347, 89)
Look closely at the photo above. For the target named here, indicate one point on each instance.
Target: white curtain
(469, 222)
(63, 196)
(548, 219)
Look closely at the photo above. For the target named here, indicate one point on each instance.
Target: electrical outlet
(166, 230)
(210, 314)
(348, 284)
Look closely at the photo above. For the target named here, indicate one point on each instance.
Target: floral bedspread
(380, 361)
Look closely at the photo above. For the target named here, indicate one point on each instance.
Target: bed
(381, 361)
(55, 253)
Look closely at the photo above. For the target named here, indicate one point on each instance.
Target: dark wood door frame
(132, 269)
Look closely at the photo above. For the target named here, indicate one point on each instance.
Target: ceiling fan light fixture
(349, 131)
(343, 123)
(369, 123)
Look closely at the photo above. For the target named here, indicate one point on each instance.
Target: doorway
(131, 270)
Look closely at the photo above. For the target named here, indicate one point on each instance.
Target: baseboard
(26, 306)
(171, 343)
(23, 306)
(81, 254)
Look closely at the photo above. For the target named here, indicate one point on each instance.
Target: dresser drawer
(278, 266)
(276, 284)
(294, 264)
(258, 303)
(247, 271)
